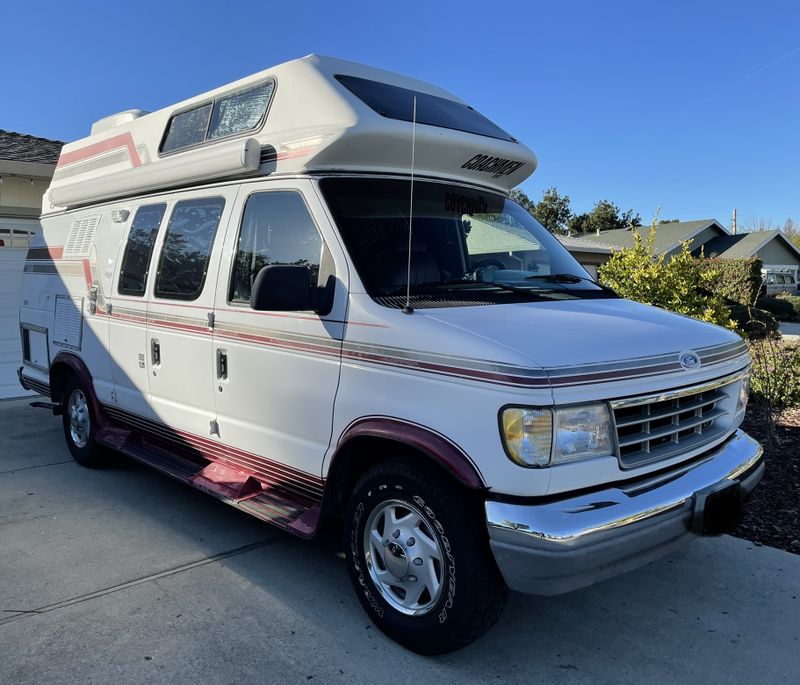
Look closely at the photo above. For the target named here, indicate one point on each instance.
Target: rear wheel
(79, 428)
(419, 558)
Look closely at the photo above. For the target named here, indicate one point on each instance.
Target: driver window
(187, 248)
(277, 228)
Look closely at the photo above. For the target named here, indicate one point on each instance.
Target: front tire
(79, 425)
(419, 558)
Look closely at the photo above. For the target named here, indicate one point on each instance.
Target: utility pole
(733, 222)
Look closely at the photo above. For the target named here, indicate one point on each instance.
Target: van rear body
(236, 291)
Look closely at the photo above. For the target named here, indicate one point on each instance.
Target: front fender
(435, 446)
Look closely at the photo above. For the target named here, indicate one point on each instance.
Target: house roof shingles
(20, 147)
(667, 235)
(741, 246)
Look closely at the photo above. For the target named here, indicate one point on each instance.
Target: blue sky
(690, 106)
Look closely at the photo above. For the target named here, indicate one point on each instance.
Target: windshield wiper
(529, 292)
(560, 278)
(568, 278)
(432, 288)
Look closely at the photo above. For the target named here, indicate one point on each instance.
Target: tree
(522, 199)
(604, 216)
(553, 211)
(668, 221)
(757, 223)
(792, 232)
(680, 284)
(578, 223)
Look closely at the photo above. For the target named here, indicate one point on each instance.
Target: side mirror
(285, 288)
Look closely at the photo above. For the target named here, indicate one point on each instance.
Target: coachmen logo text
(497, 166)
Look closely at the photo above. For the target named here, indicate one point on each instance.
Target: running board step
(299, 519)
(161, 460)
(233, 486)
(226, 482)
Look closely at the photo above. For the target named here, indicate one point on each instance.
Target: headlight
(541, 437)
(744, 393)
(528, 435)
(582, 432)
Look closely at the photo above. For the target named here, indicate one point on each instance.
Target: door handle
(222, 365)
(155, 352)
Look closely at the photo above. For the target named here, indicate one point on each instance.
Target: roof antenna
(408, 309)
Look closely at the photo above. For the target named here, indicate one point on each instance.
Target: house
(780, 258)
(26, 166)
(709, 238)
(591, 256)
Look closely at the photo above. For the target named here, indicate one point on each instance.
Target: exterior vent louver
(81, 234)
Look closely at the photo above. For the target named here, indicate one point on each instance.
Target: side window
(187, 128)
(139, 249)
(240, 112)
(226, 116)
(187, 248)
(277, 228)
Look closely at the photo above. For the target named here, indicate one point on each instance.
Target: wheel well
(362, 453)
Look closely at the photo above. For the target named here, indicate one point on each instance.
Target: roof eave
(41, 170)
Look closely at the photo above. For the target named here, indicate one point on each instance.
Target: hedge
(753, 323)
(794, 301)
(736, 280)
(780, 308)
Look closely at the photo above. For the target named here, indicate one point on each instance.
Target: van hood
(590, 341)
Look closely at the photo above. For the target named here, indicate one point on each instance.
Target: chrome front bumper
(561, 545)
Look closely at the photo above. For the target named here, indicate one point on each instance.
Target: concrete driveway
(122, 575)
(790, 331)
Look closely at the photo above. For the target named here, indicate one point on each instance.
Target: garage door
(13, 248)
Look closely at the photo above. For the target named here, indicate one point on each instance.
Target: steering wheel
(486, 264)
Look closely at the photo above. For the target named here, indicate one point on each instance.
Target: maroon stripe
(303, 494)
(278, 342)
(601, 376)
(430, 367)
(274, 470)
(505, 379)
(113, 143)
(211, 445)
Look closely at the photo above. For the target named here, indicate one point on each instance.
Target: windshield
(468, 246)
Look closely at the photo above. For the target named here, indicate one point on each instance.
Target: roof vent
(114, 120)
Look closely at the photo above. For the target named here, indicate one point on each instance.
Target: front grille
(661, 426)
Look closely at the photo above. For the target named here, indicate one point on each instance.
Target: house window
(187, 248)
(15, 237)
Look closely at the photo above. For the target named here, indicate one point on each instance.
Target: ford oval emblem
(689, 360)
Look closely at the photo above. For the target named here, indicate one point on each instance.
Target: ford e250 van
(254, 292)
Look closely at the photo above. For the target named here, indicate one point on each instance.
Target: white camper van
(257, 291)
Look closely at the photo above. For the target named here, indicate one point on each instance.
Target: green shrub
(775, 379)
(680, 284)
(753, 323)
(794, 301)
(736, 280)
(779, 308)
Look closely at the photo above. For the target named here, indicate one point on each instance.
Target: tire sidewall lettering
(358, 554)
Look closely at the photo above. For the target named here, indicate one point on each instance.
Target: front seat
(424, 267)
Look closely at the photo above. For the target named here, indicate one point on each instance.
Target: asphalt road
(123, 575)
